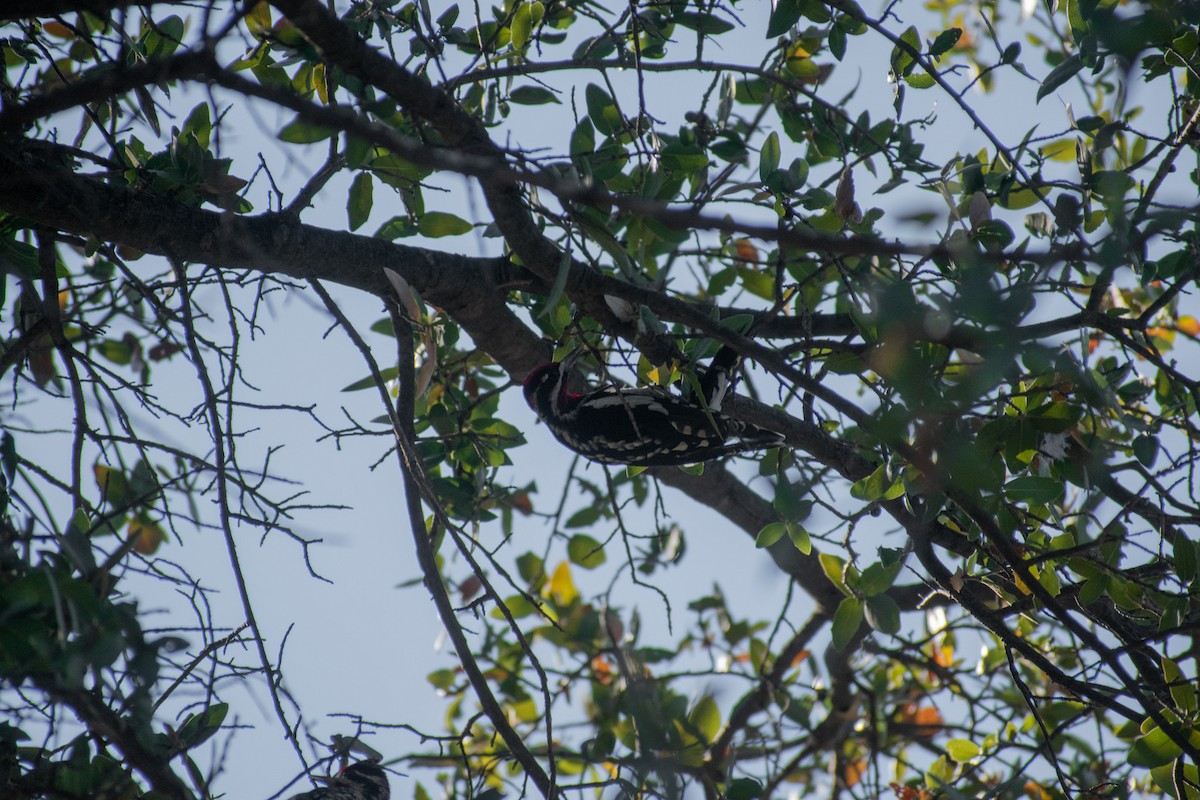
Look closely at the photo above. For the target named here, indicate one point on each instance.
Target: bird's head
(546, 390)
(370, 777)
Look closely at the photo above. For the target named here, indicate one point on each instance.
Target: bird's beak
(569, 360)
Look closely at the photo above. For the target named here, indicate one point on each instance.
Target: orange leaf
(55, 28)
(909, 792)
(853, 771)
(1034, 791)
(602, 670)
(943, 656)
(745, 250)
(470, 587)
(41, 360)
(521, 503)
(1188, 325)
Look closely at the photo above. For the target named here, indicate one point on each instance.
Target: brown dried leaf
(843, 200)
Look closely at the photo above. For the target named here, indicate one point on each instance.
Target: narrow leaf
(785, 14)
(560, 283)
(846, 621)
(1060, 75)
(768, 157)
(358, 204)
(436, 224)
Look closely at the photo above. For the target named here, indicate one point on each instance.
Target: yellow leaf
(319, 83)
(114, 487)
(1021, 585)
(561, 586)
(1188, 325)
(1062, 150)
(146, 535)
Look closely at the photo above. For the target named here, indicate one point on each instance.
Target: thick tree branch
(35, 9)
(105, 723)
(467, 288)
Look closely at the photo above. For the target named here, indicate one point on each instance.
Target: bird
(648, 426)
(362, 780)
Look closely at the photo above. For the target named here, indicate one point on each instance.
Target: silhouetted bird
(364, 780)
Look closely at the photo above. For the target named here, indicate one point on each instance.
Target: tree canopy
(955, 245)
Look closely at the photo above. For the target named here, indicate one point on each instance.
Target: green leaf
(994, 234)
(878, 578)
(837, 42)
(1079, 25)
(522, 25)
(962, 750)
(396, 228)
(387, 374)
(705, 718)
(919, 80)
(585, 551)
(583, 517)
(1154, 749)
(116, 351)
(1111, 183)
(436, 224)
(744, 789)
(442, 679)
(1184, 551)
(846, 622)
(770, 534)
(785, 14)
(1171, 777)
(560, 283)
(1033, 489)
(882, 613)
(583, 138)
(1183, 688)
(902, 57)
(532, 96)
(601, 110)
(8, 455)
(834, 568)
(800, 537)
(945, 41)
(358, 204)
(143, 482)
(789, 504)
(531, 568)
(1060, 75)
(683, 158)
(301, 132)
(1145, 448)
(114, 486)
(768, 157)
(199, 124)
(704, 23)
(199, 727)
(877, 486)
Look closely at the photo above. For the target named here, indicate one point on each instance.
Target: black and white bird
(363, 780)
(645, 427)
